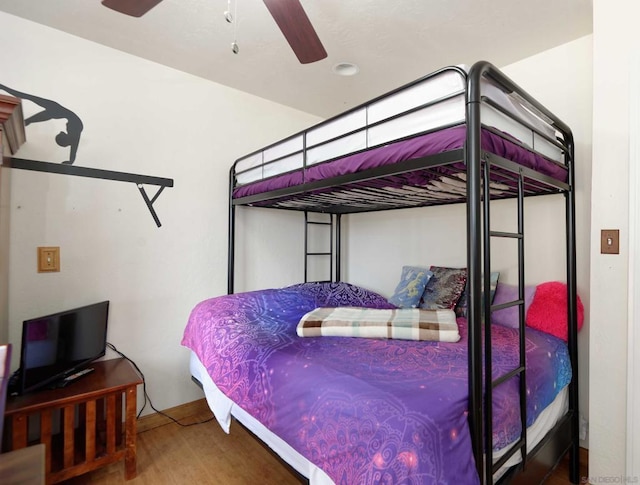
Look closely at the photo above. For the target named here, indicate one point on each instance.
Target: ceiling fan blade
(297, 29)
(135, 8)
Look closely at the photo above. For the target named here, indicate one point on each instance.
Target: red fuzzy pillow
(548, 310)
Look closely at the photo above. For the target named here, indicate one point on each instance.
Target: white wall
(633, 341)
(379, 244)
(616, 39)
(5, 198)
(144, 118)
(269, 248)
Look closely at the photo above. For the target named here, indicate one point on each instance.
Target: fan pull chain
(233, 19)
(227, 13)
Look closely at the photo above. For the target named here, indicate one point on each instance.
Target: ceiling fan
(134, 8)
(288, 14)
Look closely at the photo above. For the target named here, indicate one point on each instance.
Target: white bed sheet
(224, 408)
(442, 114)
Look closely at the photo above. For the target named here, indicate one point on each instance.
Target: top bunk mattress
(421, 119)
(441, 141)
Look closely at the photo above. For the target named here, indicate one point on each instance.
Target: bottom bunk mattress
(363, 410)
(224, 409)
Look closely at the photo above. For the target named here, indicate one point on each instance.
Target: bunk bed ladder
(490, 383)
(329, 224)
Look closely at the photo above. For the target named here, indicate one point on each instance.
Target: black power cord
(147, 398)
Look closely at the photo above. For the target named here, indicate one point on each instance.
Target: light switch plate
(610, 241)
(48, 259)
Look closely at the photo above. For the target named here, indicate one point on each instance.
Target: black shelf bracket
(97, 173)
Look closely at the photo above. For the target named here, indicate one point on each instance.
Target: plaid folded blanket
(405, 324)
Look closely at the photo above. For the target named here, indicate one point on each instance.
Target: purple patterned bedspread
(429, 144)
(363, 410)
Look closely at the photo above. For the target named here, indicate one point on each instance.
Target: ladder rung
(503, 459)
(495, 383)
(508, 304)
(515, 235)
(320, 220)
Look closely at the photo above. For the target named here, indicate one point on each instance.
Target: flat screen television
(59, 345)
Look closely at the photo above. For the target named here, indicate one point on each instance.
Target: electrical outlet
(48, 259)
(610, 241)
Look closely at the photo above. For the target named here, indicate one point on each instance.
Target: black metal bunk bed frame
(537, 463)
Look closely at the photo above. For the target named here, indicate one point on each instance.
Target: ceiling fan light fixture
(345, 69)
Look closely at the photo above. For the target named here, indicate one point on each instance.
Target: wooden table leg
(90, 431)
(111, 424)
(69, 442)
(119, 434)
(45, 437)
(130, 434)
(19, 431)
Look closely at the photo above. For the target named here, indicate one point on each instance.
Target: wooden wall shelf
(13, 136)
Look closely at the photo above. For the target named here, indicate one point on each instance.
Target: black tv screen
(55, 346)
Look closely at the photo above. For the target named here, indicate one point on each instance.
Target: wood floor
(204, 454)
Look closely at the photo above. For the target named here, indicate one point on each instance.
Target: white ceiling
(392, 41)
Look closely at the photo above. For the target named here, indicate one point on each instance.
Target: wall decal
(51, 110)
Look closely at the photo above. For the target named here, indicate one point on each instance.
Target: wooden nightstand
(81, 424)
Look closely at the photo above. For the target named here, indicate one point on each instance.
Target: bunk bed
(457, 135)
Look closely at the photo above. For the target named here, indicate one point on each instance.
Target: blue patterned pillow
(412, 284)
(461, 307)
(444, 288)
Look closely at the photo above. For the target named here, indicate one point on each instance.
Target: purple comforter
(363, 410)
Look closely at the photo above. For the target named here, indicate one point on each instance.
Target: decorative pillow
(510, 317)
(548, 311)
(339, 293)
(411, 287)
(444, 288)
(461, 307)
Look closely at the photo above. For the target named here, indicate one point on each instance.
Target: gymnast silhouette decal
(52, 110)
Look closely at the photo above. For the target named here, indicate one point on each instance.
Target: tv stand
(95, 403)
